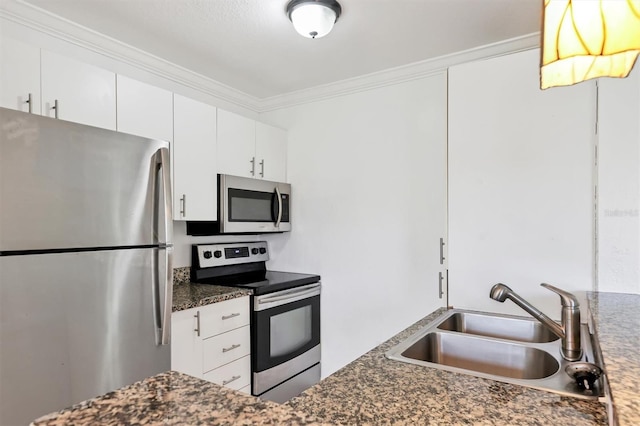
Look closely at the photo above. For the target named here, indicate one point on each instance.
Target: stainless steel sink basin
(500, 326)
(499, 347)
(487, 356)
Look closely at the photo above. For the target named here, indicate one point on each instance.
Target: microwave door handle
(279, 219)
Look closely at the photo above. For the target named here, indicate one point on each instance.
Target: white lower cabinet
(235, 375)
(213, 343)
(225, 348)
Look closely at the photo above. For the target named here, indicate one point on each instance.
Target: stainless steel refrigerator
(85, 263)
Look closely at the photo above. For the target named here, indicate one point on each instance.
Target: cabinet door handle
(30, 102)
(440, 291)
(197, 329)
(226, 317)
(442, 251)
(262, 168)
(183, 205)
(56, 107)
(253, 166)
(232, 347)
(232, 379)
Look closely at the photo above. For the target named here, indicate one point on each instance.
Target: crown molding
(55, 26)
(400, 74)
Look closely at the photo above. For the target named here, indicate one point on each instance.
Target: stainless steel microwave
(248, 206)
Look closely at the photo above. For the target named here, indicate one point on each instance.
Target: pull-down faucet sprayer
(569, 331)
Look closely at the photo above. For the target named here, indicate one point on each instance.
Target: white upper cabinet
(19, 76)
(250, 149)
(78, 92)
(271, 153)
(144, 110)
(194, 160)
(236, 144)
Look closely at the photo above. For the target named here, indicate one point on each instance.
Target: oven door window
(286, 331)
(252, 206)
(290, 331)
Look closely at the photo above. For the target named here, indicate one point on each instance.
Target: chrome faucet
(569, 331)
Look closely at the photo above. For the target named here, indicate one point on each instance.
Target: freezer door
(77, 325)
(64, 185)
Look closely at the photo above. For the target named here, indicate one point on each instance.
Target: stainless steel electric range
(285, 315)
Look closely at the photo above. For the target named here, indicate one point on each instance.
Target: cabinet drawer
(246, 389)
(224, 316)
(235, 375)
(224, 348)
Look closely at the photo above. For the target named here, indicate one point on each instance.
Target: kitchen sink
(499, 347)
(487, 356)
(501, 326)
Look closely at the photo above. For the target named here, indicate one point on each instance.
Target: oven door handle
(282, 298)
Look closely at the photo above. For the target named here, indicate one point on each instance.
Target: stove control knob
(207, 254)
(217, 254)
(254, 251)
(263, 250)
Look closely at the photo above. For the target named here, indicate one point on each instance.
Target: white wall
(521, 207)
(368, 181)
(619, 184)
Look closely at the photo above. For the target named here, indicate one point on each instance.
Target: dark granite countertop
(174, 398)
(617, 325)
(190, 295)
(375, 390)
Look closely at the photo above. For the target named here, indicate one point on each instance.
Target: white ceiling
(251, 46)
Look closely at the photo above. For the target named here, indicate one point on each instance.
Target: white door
(78, 92)
(194, 160)
(271, 153)
(236, 145)
(19, 76)
(144, 110)
(520, 184)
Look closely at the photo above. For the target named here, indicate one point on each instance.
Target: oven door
(252, 205)
(286, 335)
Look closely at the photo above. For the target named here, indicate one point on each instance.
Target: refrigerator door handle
(165, 325)
(162, 311)
(166, 191)
(168, 297)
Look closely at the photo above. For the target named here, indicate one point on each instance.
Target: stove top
(242, 265)
(263, 282)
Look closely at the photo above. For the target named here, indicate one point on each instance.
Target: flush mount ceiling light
(313, 18)
(585, 39)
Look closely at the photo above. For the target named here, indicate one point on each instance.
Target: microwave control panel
(210, 255)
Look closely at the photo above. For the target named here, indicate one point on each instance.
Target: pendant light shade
(585, 39)
(313, 18)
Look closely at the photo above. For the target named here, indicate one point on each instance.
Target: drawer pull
(231, 348)
(226, 317)
(232, 379)
(197, 329)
